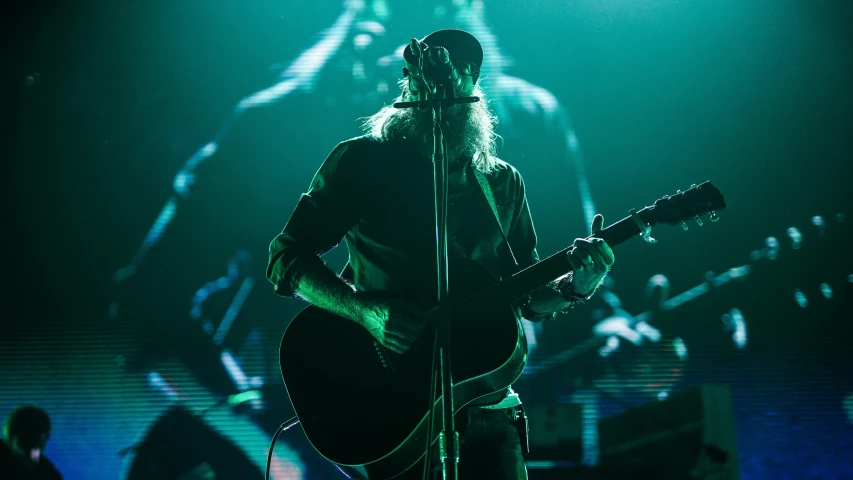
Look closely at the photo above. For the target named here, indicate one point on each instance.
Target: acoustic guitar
(365, 408)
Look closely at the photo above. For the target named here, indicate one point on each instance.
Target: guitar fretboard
(550, 268)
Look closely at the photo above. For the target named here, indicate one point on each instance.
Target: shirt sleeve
(522, 238)
(323, 215)
(522, 235)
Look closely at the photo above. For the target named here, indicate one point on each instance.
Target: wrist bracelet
(567, 291)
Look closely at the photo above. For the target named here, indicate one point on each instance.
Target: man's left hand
(590, 259)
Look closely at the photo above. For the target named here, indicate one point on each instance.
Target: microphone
(434, 69)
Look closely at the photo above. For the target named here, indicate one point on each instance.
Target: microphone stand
(436, 96)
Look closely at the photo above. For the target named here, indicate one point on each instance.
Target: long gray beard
(469, 129)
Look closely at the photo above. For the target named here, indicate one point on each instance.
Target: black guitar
(365, 408)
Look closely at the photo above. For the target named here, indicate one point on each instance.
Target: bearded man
(376, 191)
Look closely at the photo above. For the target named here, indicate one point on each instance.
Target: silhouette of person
(25, 435)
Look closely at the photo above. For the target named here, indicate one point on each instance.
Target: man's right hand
(395, 323)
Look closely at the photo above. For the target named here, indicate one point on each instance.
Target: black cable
(284, 426)
(432, 378)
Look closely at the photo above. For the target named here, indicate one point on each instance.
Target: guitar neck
(668, 210)
(554, 266)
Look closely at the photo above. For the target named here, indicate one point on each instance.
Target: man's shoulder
(361, 140)
(49, 470)
(11, 468)
(363, 143)
(501, 165)
(504, 172)
(363, 148)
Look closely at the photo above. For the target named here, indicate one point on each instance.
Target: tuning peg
(683, 225)
(699, 221)
(692, 185)
(714, 217)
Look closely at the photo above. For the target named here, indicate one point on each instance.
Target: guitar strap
(490, 198)
(511, 400)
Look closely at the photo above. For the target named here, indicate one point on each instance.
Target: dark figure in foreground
(376, 191)
(25, 435)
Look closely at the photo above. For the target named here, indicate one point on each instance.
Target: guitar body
(365, 408)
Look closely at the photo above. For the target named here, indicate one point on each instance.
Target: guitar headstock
(693, 203)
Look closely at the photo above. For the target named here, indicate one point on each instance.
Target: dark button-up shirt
(378, 194)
